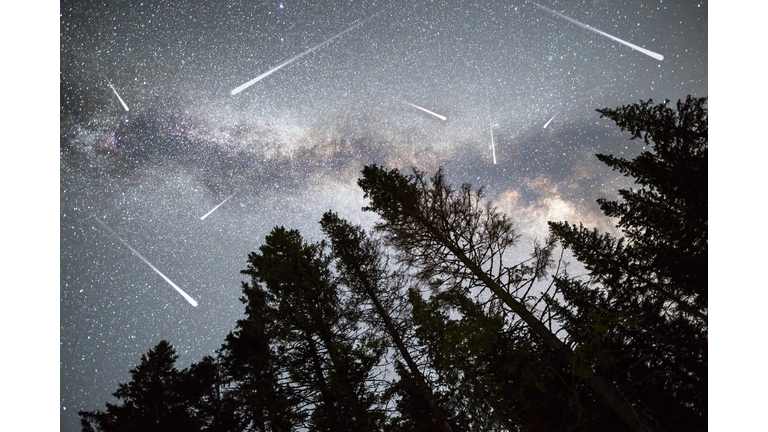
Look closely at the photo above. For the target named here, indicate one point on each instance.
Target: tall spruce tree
(457, 237)
(158, 398)
(363, 268)
(316, 332)
(641, 319)
(203, 388)
(253, 363)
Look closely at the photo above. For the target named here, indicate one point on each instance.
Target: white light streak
(550, 120)
(214, 209)
(118, 96)
(443, 118)
(185, 295)
(293, 59)
(493, 146)
(635, 47)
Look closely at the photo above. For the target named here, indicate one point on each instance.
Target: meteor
(493, 146)
(635, 47)
(294, 58)
(443, 118)
(553, 117)
(185, 295)
(118, 96)
(214, 209)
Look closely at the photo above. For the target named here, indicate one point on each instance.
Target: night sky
(291, 146)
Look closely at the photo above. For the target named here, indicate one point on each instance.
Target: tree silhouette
(318, 331)
(253, 369)
(154, 399)
(206, 384)
(363, 267)
(455, 236)
(642, 317)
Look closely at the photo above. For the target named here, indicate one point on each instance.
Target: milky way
(292, 147)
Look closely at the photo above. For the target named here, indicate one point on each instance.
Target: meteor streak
(185, 295)
(214, 209)
(493, 146)
(294, 58)
(443, 118)
(553, 117)
(118, 96)
(635, 47)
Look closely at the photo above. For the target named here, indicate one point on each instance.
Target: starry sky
(291, 146)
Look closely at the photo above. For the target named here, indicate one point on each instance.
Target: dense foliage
(425, 325)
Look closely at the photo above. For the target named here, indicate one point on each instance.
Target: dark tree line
(425, 324)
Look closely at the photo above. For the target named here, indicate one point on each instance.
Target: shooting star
(490, 123)
(550, 120)
(293, 59)
(214, 209)
(493, 146)
(185, 295)
(443, 118)
(113, 89)
(635, 47)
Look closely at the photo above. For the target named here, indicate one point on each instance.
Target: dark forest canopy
(423, 324)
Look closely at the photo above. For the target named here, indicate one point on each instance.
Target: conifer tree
(316, 332)
(456, 237)
(641, 318)
(154, 399)
(253, 365)
(362, 266)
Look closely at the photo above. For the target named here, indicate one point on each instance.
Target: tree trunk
(417, 376)
(636, 420)
(321, 380)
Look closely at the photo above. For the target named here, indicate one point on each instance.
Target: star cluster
(292, 146)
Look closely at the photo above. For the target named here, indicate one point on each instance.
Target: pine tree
(363, 268)
(151, 401)
(455, 237)
(479, 343)
(253, 366)
(317, 336)
(641, 319)
(203, 388)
